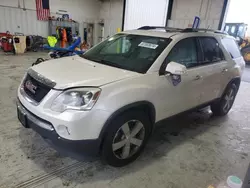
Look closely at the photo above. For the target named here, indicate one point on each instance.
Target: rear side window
(211, 50)
(232, 47)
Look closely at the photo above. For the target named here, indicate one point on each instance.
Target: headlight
(76, 99)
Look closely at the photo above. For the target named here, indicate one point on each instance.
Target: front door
(182, 92)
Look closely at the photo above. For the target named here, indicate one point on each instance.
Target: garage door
(145, 12)
(22, 21)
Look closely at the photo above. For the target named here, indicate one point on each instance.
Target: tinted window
(241, 31)
(131, 52)
(232, 47)
(184, 52)
(211, 50)
(227, 28)
(233, 29)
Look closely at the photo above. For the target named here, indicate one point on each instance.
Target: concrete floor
(194, 150)
(246, 75)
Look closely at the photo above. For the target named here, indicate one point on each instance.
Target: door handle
(198, 77)
(225, 70)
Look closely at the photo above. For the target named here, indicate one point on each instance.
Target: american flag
(42, 9)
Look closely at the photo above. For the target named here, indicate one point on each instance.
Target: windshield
(130, 52)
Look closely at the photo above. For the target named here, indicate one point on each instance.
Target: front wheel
(224, 105)
(126, 137)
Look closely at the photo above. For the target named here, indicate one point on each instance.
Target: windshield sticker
(148, 45)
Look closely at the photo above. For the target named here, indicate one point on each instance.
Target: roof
(170, 32)
(154, 33)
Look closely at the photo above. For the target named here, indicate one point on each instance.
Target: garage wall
(184, 11)
(145, 12)
(111, 12)
(15, 19)
(18, 20)
(138, 13)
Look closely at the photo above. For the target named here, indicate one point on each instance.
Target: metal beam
(223, 13)
(123, 13)
(170, 8)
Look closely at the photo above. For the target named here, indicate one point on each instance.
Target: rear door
(213, 69)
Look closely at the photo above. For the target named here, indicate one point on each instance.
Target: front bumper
(47, 131)
(81, 125)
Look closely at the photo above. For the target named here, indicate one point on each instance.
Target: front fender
(124, 95)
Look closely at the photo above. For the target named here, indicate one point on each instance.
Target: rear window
(232, 47)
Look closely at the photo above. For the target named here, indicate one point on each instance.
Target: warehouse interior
(192, 150)
(21, 17)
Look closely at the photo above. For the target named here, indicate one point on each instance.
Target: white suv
(108, 101)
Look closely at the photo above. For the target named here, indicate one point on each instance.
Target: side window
(211, 50)
(241, 31)
(227, 28)
(233, 29)
(232, 47)
(184, 52)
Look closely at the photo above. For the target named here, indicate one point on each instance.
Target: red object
(5, 35)
(7, 45)
(42, 10)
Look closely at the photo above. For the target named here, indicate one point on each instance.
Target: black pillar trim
(123, 14)
(170, 8)
(223, 12)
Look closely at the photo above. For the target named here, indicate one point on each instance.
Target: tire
(224, 105)
(118, 132)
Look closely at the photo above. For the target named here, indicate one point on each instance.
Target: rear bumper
(47, 131)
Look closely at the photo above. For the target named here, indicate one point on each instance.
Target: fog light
(62, 129)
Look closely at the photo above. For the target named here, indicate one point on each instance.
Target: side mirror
(176, 68)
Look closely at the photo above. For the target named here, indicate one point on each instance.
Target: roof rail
(188, 30)
(167, 29)
(150, 27)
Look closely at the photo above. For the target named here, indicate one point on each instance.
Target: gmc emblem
(31, 87)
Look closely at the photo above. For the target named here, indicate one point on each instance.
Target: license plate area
(22, 116)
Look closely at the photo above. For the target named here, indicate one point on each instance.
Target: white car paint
(76, 71)
(120, 88)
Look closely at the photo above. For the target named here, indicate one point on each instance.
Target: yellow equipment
(52, 41)
(238, 30)
(245, 49)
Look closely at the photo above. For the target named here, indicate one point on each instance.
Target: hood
(76, 71)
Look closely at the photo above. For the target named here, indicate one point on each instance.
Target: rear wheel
(224, 105)
(126, 137)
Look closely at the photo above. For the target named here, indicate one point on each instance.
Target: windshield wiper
(90, 59)
(105, 62)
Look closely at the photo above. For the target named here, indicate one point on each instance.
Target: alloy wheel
(128, 139)
(229, 99)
